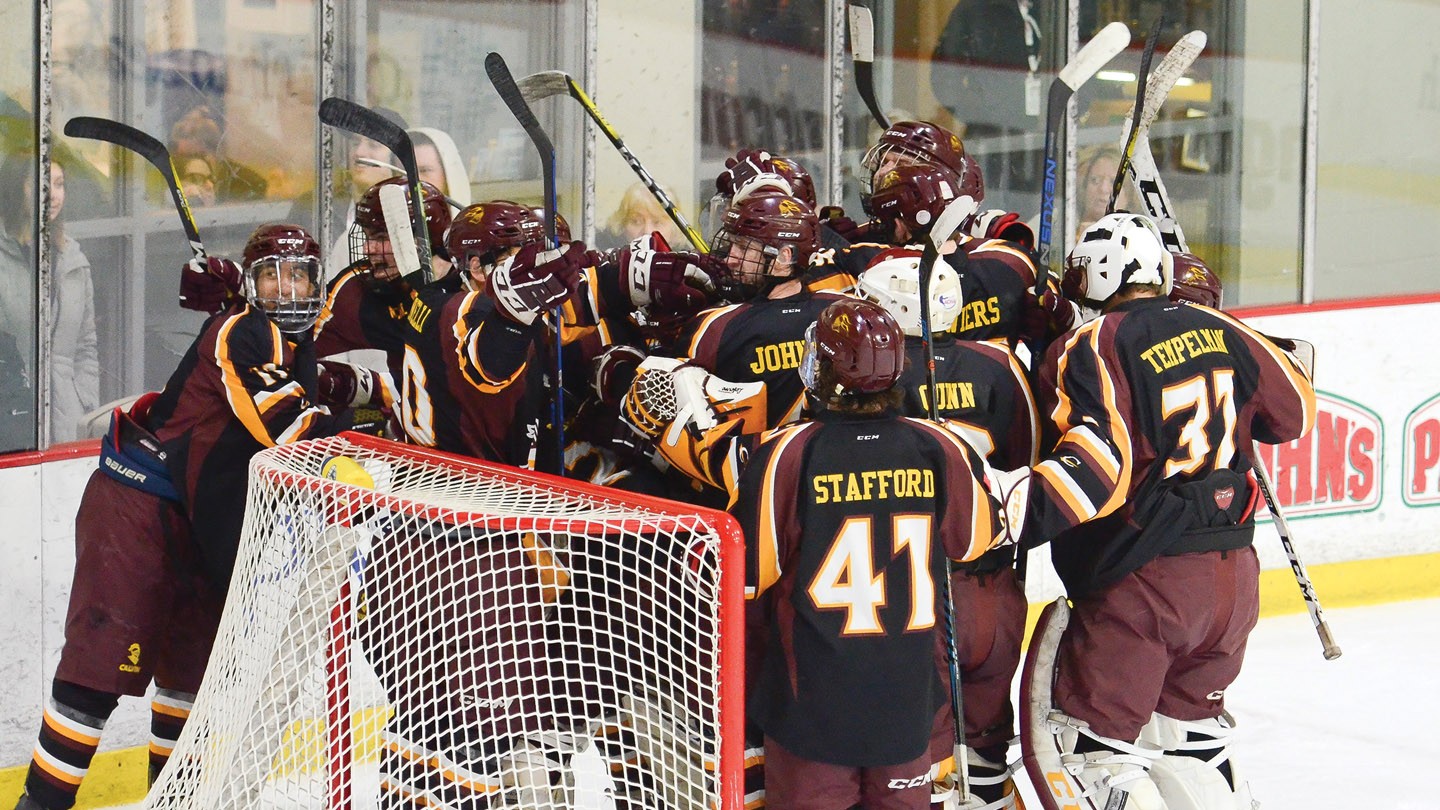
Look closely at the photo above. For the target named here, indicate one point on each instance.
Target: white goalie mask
(1118, 249)
(893, 282)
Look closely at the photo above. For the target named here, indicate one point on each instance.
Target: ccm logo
(867, 438)
(906, 784)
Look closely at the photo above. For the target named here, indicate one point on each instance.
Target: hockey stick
(504, 84)
(104, 129)
(363, 121)
(1143, 171)
(862, 56)
(1146, 58)
(1111, 40)
(549, 83)
(1307, 589)
(949, 221)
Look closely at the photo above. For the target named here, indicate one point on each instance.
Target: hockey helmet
(282, 275)
(1195, 282)
(893, 281)
(910, 142)
(485, 231)
(862, 343)
(914, 195)
(1119, 249)
(371, 218)
(755, 231)
(562, 228)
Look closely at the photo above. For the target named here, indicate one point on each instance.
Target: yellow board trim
(118, 777)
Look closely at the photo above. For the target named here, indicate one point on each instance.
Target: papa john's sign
(1333, 470)
(1420, 485)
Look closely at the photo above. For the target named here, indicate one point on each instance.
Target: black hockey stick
(504, 83)
(1307, 588)
(363, 121)
(104, 129)
(549, 83)
(862, 55)
(949, 221)
(1111, 40)
(1146, 57)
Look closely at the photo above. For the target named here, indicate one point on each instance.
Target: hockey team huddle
(892, 436)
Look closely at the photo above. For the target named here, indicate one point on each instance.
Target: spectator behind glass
(638, 214)
(198, 134)
(440, 164)
(197, 177)
(74, 359)
(1094, 177)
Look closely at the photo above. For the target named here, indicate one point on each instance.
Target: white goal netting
(463, 636)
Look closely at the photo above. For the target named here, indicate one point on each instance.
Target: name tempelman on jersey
(1184, 346)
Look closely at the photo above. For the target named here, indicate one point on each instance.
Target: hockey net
(466, 635)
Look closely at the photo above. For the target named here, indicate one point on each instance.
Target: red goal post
(467, 635)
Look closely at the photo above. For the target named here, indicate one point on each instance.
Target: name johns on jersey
(950, 396)
(874, 485)
(777, 357)
(1184, 346)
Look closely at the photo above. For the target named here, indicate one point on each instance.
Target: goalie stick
(124, 135)
(949, 221)
(1111, 40)
(363, 121)
(862, 56)
(549, 83)
(1143, 171)
(1141, 77)
(504, 84)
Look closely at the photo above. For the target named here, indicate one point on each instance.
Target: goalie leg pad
(1196, 772)
(1068, 764)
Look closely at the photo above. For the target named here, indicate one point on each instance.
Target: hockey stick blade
(862, 54)
(1128, 139)
(1163, 79)
(365, 122)
(543, 85)
(397, 224)
(950, 219)
(504, 83)
(1143, 171)
(1104, 46)
(154, 152)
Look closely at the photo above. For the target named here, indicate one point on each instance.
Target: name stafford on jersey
(906, 482)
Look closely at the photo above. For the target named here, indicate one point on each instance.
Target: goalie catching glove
(534, 280)
(209, 285)
(665, 394)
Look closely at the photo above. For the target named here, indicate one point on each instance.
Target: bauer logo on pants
(1334, 469)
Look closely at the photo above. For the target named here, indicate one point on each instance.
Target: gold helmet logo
(789, 208)
(842, 324)
(475, 214)
(891, 178)
(133, 653)
(956, 145)
(782, 165)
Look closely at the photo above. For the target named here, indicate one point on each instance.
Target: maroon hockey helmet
(909, 142)
(372, 220)
(914, 195)
(749, 164)
(562, 228)
(484, 231)
(274, 258)
(862, 343)
(756, 229)
(1195, 282)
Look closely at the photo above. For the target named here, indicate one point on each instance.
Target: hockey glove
(613, 372)
(671, 282)
(1000, 224)
(534, 280)
(744, 165)
(343, 385)
(210, 285)
(1012, 489)
(833, 217)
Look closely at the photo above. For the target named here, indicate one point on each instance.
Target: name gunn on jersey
(777, 356)
(1184, 346)
(906, 482)
(951, 396)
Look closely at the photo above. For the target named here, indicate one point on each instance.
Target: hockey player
(983, 394)
(1150, 499)
(846, 689)
(159, 523)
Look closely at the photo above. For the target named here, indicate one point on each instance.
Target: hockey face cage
(466, 635)
(290, 289)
